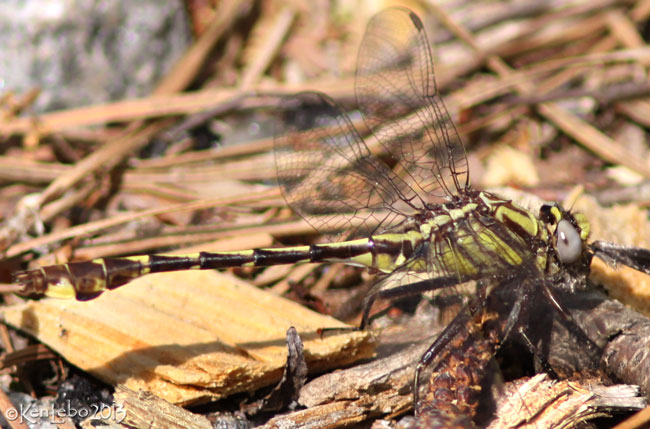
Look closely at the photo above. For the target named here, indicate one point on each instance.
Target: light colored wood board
(187, 336)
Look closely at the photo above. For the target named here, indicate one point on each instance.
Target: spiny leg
(397, 292)
(615, 254)
(570, 322)
(515, 324)
(451, 331)
(404, 291)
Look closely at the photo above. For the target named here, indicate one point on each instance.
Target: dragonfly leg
(397, 292)
(454, 327)
(404, 291)
(571, 324)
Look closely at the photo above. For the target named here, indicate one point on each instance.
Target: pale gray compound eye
(569, 243)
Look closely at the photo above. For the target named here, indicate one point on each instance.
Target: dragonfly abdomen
(88, 279)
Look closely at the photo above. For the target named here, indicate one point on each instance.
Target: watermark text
(32, 413)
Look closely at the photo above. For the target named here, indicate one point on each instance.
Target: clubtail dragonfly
(405, 186)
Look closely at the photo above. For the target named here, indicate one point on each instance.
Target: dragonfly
(400, 190)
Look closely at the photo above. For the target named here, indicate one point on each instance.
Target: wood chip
(542, 402)
(186, 337)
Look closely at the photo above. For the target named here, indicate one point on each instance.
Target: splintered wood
(186, 337)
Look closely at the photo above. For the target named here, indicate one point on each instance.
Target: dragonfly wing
(327, 173)
(395, 79)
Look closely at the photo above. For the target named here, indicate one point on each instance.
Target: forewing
(327, 173)
(395, 79)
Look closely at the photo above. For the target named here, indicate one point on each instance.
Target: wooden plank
(186, 337)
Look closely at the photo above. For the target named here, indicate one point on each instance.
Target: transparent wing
(327, 173)
(395, 79)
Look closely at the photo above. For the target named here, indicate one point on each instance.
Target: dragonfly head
(570, 232)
